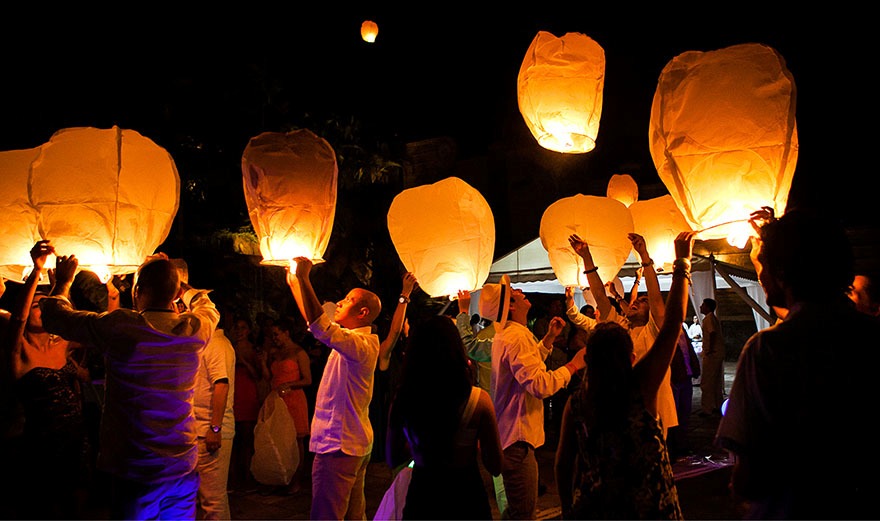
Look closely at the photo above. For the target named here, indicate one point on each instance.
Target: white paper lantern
(623, 188)
(601, 221)
(444, 234)
(290, 190)
(18, 218)
(723, 136)
(108, 196)
(559, 91)
(659, 221)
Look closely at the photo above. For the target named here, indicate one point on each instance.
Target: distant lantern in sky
(623, 188)
(723, 136)
(290, 190)
(108, 196)
(659, 221)
(369, 31)
(444, 234)
(559, 90)
(601, 221)
(18, 218)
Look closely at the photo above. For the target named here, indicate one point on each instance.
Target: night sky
(220, 75)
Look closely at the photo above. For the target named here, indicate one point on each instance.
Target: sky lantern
(444, 234)
(623, 188)
(108, 196)
(18, 218)
(723, 136)
(659, 221)
(559, 90)
(290, 190)
(369, 31)
(601, 221)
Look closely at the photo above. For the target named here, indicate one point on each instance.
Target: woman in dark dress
(612, 461)
(445, 424)
(52, 474)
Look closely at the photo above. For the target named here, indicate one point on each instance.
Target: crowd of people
(455, 397)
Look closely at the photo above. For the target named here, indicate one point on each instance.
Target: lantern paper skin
(290, 190)
(108, 196)
(444, 234)
(659, 221)
(559, 90)
(18, 218)
(603, 222)
(369, 31)
(723, 135)
(623, 188)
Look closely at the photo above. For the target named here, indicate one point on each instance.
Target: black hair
(434, 360)
(787, 243)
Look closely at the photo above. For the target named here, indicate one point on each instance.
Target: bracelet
(683, 263)
(591, 270)
(649, 263)
(682, 272)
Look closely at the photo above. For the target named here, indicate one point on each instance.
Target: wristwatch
(403, 299)
(215, 428)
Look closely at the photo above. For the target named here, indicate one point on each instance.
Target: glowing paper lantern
(559, 90)
(444, 234)
(18, 218)
(601, 221)
(290, 191)
(369, 31)
(659, 221)
(108, 196)
(723, 136)
(623, 188)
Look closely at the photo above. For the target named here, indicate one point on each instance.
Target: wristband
(591, 270)
(649, 263)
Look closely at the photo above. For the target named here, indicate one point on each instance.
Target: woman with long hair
(612, 461)
(445, 424)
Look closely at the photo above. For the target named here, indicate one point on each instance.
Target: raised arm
(573, 313)
(301, 287)
(597, 287)
(655, 297)
(654, 365)
(477, 349)
(387, 346)
(22, 308)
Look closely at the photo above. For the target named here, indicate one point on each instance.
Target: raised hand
(579, 246)
(303, 267)
(409, 283)
(65, 269)
(464, 300)
(684, 245)
(39, 252)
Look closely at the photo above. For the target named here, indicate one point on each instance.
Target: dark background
(202, 79)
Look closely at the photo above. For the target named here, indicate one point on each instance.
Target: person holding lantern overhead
(341, 433)
(148, 440)
(53, 457)
(612, 461)
(641, 319)
(520, 382)
(798, 415)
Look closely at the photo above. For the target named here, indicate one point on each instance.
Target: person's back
(148, 432)
(804, 388)
(445, 433)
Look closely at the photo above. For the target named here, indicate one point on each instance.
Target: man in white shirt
(520, 383)
(341, 433)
